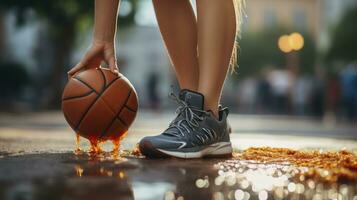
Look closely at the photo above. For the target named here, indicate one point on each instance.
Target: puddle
(256, 173)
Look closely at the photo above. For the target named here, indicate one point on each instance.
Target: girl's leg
(216, 25)
(177, 24)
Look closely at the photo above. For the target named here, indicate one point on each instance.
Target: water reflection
(216, 179)
(252, 180)
(84, 176)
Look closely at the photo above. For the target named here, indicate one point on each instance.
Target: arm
(103, 45)
(105, 21)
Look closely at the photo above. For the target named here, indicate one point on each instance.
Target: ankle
(213, 110)
(189, 86)
(211, 104)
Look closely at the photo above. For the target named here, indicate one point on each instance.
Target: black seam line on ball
(116, 117)
(86, 84)
(105, 101)
(130, 109)
(118, 77)
(121, 109)
(122, 121)
(79, 96)
(95, 100)
(104, 79)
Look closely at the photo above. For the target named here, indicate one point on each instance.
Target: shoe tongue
(193, 99)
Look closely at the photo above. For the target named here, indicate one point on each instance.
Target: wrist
(104, 36)
(105, 33)
(102, 42)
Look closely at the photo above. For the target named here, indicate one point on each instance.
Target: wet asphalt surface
(37, 162)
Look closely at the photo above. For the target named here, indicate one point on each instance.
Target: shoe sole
(217, 150)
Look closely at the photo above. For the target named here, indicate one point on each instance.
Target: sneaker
(194, 133)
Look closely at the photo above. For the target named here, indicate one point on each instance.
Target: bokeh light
(296, 41)
(284, 44)
(288, 43)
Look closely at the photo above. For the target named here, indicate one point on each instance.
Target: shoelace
(190, 116)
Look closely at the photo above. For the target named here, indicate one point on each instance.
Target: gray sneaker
(194, 133)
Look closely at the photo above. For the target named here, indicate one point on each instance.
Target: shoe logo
(183, 144)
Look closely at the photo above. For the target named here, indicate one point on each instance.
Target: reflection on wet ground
(37, 162)
(257, 173)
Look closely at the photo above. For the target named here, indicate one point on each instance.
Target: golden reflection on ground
(98, 171)
(276, 173)
(329, 166)
(256, 173)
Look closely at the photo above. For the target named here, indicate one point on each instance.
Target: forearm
(105, 21)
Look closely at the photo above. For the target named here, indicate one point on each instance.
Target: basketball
(99, 105)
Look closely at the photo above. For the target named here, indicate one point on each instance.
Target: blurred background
(297, 57)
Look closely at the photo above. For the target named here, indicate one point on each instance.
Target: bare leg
(216, 25)
(177, 24)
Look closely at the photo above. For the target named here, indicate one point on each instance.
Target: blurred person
(300, 95)
(264, 93)
(333, 94)
(152, 88)
(318, 94)
(280, 81)
(248, 95)
(201, 51)
(349, 91)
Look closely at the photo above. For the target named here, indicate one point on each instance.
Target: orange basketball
(99, 105)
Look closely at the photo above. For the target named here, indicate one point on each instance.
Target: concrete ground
(37, 162)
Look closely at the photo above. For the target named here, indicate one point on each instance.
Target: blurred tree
(2, 33)
(344, 39)
(13, 77)
(308, 55)
(260, 49)
(64, 19)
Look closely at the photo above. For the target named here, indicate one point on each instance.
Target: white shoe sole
(214, 150)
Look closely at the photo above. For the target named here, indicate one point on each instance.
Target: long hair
(239, 6)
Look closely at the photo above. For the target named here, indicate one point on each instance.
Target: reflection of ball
(99, 105)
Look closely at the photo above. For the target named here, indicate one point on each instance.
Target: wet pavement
(37, 162)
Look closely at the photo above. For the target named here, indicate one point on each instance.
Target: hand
(98, 52)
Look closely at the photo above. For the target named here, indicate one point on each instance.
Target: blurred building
(316, 17)
(331, 14)
(303, 15)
